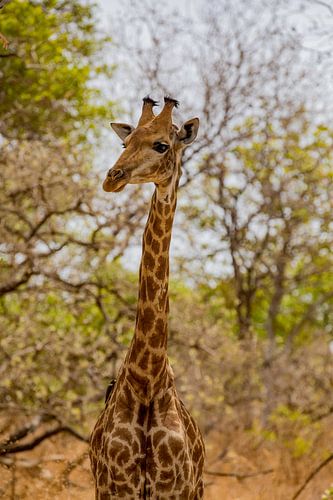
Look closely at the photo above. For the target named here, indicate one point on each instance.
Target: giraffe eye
(160, 147)
(123, 145)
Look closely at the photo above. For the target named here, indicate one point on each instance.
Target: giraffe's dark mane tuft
(167, 98)
(147, 99)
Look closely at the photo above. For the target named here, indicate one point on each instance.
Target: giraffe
(145, 444)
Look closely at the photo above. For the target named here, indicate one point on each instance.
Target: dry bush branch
(7, 450)
(312, 475)
(237, 475)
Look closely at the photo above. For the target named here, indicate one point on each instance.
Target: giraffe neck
(147, 360)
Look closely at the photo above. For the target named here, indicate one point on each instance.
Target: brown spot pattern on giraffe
(157, 229)
(143, 363)
(147, 319)
(166, 210)
(161, 268)
(155, 246)
(157, 338)
(165, 244)
(148, 237)
(149, 261)
(158, 367)
(152, 288)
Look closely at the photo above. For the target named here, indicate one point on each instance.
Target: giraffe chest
(170, 471)
(145, 452)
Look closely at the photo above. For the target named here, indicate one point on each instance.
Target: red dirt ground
(58, 469)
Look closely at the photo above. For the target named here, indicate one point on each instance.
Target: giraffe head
(151, 149)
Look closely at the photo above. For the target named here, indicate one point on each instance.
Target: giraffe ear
(188, 131)
(122, 129)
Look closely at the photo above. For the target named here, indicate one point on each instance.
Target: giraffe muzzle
(116, 174)
(115, 181)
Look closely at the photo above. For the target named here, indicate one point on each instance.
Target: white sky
(317, 13)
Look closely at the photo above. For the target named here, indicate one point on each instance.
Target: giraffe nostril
(116, 174)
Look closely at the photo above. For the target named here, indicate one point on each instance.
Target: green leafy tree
(55, 52)
(270, 204)
(269, 218)
(58, 242)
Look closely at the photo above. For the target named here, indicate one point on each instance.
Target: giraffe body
(145, 443)
(147, 451)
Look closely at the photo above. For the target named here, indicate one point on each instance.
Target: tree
(47, 70)
(270, 204)
(57, 238)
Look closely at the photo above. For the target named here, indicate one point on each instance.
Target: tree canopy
(49, 71)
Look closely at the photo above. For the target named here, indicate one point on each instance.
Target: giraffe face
(150, 153)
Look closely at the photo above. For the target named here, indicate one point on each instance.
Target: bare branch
(237, 475)
(46, 435)
(312, 475)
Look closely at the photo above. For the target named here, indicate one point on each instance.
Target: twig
(13, 482)
(71, 466)
(239, 476)
(39, 439)
(3, 3)
(324, 4)
(311, 476)
(22, 433)
(4, 42)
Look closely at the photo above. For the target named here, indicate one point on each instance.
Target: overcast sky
(315, 12)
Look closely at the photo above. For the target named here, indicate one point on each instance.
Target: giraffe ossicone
(145, 444)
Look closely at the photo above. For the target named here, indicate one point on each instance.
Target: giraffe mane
(148, 100)
(170, 99)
